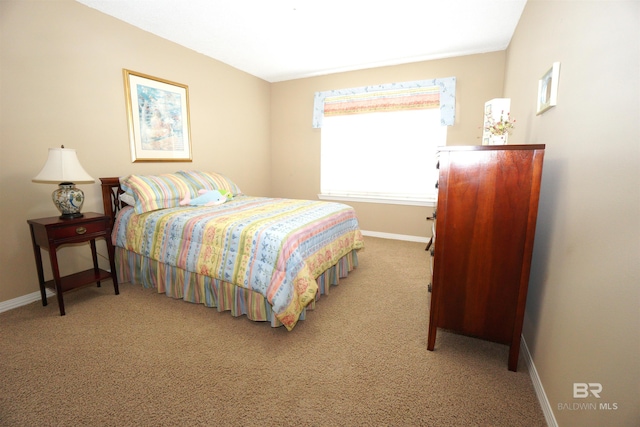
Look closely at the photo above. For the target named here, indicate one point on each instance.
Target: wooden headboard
(110, 200)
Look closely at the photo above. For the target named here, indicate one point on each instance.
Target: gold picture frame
(158, 118)
(548, 89)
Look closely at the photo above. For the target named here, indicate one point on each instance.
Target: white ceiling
(279, 40)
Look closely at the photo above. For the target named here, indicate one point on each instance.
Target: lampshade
(63, 166)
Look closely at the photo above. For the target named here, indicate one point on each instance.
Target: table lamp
(63, 166)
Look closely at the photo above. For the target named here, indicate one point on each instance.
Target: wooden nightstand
(50, 233)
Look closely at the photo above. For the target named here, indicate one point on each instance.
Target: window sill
(379, 200)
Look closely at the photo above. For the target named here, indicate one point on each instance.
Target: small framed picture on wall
(548, 89)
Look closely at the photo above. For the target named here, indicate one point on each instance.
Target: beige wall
(62, 84)
(582, 322)
(295, 153)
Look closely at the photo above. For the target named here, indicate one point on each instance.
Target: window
(379, 144)
(381, 157)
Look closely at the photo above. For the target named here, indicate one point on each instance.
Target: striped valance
(423, 94)
(392, 100)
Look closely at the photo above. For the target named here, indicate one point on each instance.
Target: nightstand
(53, 232)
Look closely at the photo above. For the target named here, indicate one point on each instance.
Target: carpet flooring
(359, 359)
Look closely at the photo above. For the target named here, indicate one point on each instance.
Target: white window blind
(381, 156)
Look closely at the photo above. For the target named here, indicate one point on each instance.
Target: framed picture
(548, 89)
(158, 117)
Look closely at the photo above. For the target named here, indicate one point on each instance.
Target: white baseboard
(537, 385)
(23, 300)
(395, 236)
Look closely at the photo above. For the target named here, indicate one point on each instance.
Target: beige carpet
(360, 359)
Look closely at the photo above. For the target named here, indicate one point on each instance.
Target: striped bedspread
(276, 247)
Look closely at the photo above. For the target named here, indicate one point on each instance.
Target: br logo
(583, 390)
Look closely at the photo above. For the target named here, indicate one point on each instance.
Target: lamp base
(68, 199)
(71, 216)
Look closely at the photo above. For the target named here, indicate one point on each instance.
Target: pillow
(127, 198)
(211, 181)
(152, 192)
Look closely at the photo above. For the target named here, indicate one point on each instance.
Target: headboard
(110, 200)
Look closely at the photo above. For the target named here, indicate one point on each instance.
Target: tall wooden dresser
(486, 219)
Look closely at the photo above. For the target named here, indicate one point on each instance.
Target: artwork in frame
(548, 89)
(158, 118)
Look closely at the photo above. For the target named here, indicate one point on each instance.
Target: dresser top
(491, 147)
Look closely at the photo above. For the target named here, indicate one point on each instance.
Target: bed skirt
(195, 288)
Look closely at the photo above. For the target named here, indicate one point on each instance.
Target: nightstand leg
(112, 264)
(38, 257)
(56, 278)
(43, 294)
(94, 255)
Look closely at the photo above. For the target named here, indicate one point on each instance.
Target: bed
(269, 259)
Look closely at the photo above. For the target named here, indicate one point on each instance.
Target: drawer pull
(81, 230)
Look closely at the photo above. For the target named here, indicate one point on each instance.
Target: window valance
(420, 94)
